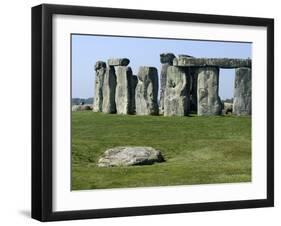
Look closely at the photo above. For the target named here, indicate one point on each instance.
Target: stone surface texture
(100, 69)
(85, 107)
(129, 156)
(147, 91)
(208, 102)
(123, 95)
(227, 108)
(242, 101)
(133, 91)
(166, 60)
(193, 90)
(118, 62)
(215, 62)
(177, 98)
(109, 88)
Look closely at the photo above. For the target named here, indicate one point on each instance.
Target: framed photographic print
(146, 112)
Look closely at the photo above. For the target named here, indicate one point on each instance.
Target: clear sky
(87, 49)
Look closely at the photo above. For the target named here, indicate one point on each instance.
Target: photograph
(153, 111)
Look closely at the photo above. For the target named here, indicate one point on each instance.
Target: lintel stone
(118, 62)
(214, 62)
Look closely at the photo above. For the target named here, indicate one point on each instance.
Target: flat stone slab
(129, 156)
(118, 62)
(216, 62)
(86, 107)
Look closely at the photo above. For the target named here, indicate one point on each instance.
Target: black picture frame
(42, 111)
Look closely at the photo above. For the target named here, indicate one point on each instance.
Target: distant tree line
(77, 101)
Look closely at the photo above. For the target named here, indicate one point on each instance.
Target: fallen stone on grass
(227, 108)
(85, 107)
(129, 156)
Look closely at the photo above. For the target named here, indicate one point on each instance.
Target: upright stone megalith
(100, 69)
(123, 95)
(177, 92)
(147, 91)
(133, 91)
(109, 88)
(208, 99)
(193, 89)
(166, 60)
(242, 101)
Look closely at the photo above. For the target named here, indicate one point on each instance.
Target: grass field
(197, 150)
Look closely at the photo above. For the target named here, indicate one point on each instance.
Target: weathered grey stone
(100, 65)
(85, 107)
(227, 108)
(118, 62)
(123, 95)
(215, 62)
(147, 91)
(166, 60)
(109, 89)
(133, 90)
(76, 108)
(100, 69)
(242, 100)
(129, 156)
(185, 55)
(163, 79)
(209, 102)
(177, 98)
(193, 90)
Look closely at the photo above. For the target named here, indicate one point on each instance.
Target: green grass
(197, 150)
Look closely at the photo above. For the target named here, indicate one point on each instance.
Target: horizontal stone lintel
(118, 62)
(215, 62)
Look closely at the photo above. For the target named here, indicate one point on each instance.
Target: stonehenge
(123, 93)
(100, 69)
(133, 94)
(208, 91)
(166, 60)
(242, 99)
(176, 101)
(215, 62)
(193, 89)
(147, 91)
(118, 62)
(187, 85)
(109, 87)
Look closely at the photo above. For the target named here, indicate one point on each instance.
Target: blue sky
(87, 49)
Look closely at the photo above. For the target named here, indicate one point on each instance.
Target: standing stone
(109, 87)
(166, 60)
(100, 69)
(147, 92)
(177, 98)
(193, 90)
(123, 95)
(209, 102)
(133, 90)
(242, 101)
